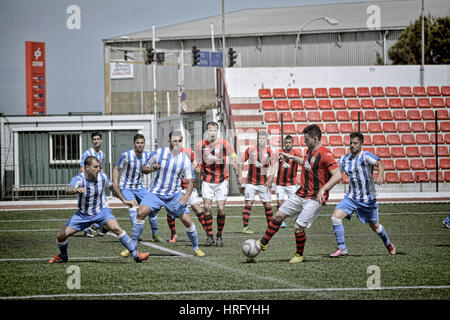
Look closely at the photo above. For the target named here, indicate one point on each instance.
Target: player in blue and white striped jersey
(130, 183)
(361, 197)
(169, 166)
(92, 206)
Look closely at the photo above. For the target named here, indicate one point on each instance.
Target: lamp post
(329, 20)
(422, 66)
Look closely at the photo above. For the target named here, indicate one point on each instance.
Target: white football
(250, 248)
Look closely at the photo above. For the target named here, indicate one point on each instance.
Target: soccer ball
(250, 248)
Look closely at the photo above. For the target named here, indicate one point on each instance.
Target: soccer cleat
(157, 238)
(209, 241)
(247, 230)
(219, 242)
(297, 258)
(99, 232)
(58, 259)
(262, 247)
(446, 223)
(141, 256)
(125, 253)
(390, 247)
(283, 224)
(339, 253)
(173, 238)
(88, 233)
(199, 253)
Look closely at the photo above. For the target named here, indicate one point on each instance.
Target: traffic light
(232, 55)
(150, 58)
(195, 56)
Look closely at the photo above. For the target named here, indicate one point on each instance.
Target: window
(65, 148)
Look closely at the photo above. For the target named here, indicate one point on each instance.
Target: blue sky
(75, 56)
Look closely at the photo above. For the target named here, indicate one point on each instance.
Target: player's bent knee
(336, 221)
(191, 228)
(298, 228)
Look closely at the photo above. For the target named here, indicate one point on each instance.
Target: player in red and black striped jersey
(320, 173)
(260, 158)
(211, 155)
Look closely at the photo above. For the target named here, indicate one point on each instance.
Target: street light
(329, 20)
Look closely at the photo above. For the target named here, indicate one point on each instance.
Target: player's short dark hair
(88, 161)
(96, 134)
(138, 136)
(358, 135)
(289, 137)
(176, 133)
(262, 132)
(313, 130)
(212, 123)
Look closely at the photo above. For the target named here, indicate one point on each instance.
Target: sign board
(36, 102)
(122, 70)
(216, 59)
(210, 59)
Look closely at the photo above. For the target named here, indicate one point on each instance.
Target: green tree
(408, 48)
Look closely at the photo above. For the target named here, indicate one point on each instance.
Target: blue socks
(63, 248)
(193, 237)
(153, 220)
(127, 243)
(381, 232)
(339, 232)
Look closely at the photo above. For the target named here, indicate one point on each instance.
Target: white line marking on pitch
(197, 292)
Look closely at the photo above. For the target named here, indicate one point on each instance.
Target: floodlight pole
(223, 40)
(154, 91)
(422, 67)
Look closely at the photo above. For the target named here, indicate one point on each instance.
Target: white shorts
(303, 211)
(284, 192)
(251, 190)
(219, 191)
(194, 198)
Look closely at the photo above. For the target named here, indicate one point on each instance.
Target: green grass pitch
(420, 270)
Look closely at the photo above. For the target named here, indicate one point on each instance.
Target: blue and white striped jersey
(94, 200)
(130, 165)
(91, 152)
(359, 170)
(167, 180)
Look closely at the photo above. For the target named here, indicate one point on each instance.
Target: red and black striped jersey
(212, 159)
(259, 162)
(287, 169)
(316, 172)
(190, 155)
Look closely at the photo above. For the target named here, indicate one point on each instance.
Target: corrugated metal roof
(287, 20)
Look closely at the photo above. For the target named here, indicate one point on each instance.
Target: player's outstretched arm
(380, 176)
(116, 192)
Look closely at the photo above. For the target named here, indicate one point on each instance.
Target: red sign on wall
(35, 78)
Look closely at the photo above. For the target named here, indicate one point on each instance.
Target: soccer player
(90, 186)
(361, 196)
(446, 222)
(258, 181)
(130, 183)
(170, 166)
(320, 173)
(211, 155)
(286, 168)
(194, 199)
(95, 151)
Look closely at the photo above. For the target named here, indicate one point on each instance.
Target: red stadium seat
(349, 92)
(413, 152)
(383, 152)
(445, 90)
(354, 115)
(408, 139)
(426, 151)
(371, 115)
(321, 92)
(437, 102)
(279, 93)
(265, 94)
(398, 152)
(307, 93)
(433, 91)
(447, 176)
(293, 93)
(282, 105)
(336, 141)
(275, 141)
(443, 151)
(389, 164)
(433, 138)
(442, 114)
(421, 176)
(403, 127)
(414, 115)
(445, 127)
(296, 142)
(339, 104)
(430, 126)
(391, 177)
(409, 103)
(335, 92)
(299, 116)
(345, 127)
(423, 103)
(339, 152)
(331, 128)
(271, 117)
(324, 141)
(419, 91)
(395, 103)
(377, 92)
(391, 92)
(447, 138)
(267, 105)
(353, 104)
(406, 177)
(328, 116)
(324, 104)
(313, 116)
(375, 127)
(417, 164)
(310, 104)
(385, 115)
(296, 104)
(300, 128)
(405, 91)
(347, 140)
(379, 140)
(369, 149)
(433, 176)
(399, 115)
(430, 164)
(362, 127)
(363, 92)
(402, 164)
(393, 139)
(422, 139)
(418, 127)
(368, 103)
(289, 129)
(342, 115)
(368, 140)
(302, 141)
(274, 129)
(447, 102)
(287, 116)
(427, 115)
